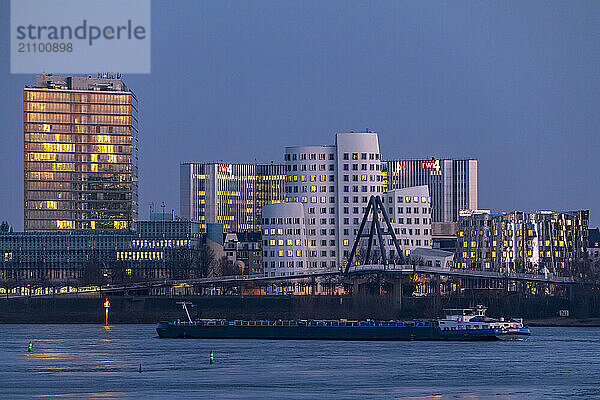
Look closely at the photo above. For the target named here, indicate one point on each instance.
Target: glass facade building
(521, 242)
(157, 250)
(230, 194)
(452, 183)
(80, 161)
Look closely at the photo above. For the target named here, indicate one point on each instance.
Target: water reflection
(86, 361)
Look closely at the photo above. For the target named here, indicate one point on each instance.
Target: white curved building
(333, 185)
(284, 239)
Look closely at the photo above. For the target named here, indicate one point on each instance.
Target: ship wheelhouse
(474, 318)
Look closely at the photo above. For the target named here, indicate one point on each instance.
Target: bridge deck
(353, 272)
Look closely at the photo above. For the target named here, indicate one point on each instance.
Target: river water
(89, 361)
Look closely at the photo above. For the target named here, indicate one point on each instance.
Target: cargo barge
(458, 324)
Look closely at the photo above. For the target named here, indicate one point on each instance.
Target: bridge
(353, 273)
(233, 280)
(458, 272)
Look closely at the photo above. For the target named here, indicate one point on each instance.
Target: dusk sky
(515, 85)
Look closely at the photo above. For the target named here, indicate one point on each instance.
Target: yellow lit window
(346, 242)
(280, 253)
(64, 224)
(105, 148)
(120, 224)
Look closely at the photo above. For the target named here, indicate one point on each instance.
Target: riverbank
(565, 322)
(537, 311)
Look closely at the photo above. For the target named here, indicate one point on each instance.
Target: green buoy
(212, 359)
(30, 347)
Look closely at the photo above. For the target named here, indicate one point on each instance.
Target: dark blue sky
(514, 84)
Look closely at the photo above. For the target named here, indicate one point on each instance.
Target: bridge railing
(408, 268)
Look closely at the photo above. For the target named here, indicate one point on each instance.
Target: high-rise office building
(231, 194)
(80, 145)
(452, 183)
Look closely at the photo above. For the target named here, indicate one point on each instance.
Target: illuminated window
(64, 224)
(120, 224)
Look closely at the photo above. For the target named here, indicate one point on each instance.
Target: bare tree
(205, 262)
(92, 273)
(227, 268)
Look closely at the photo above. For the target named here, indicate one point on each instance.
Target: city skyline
(512, 89)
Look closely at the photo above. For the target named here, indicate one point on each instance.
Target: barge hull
(393, 333)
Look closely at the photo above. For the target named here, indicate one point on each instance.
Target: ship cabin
(474, 318)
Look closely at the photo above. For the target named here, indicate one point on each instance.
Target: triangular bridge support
(375, 205)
